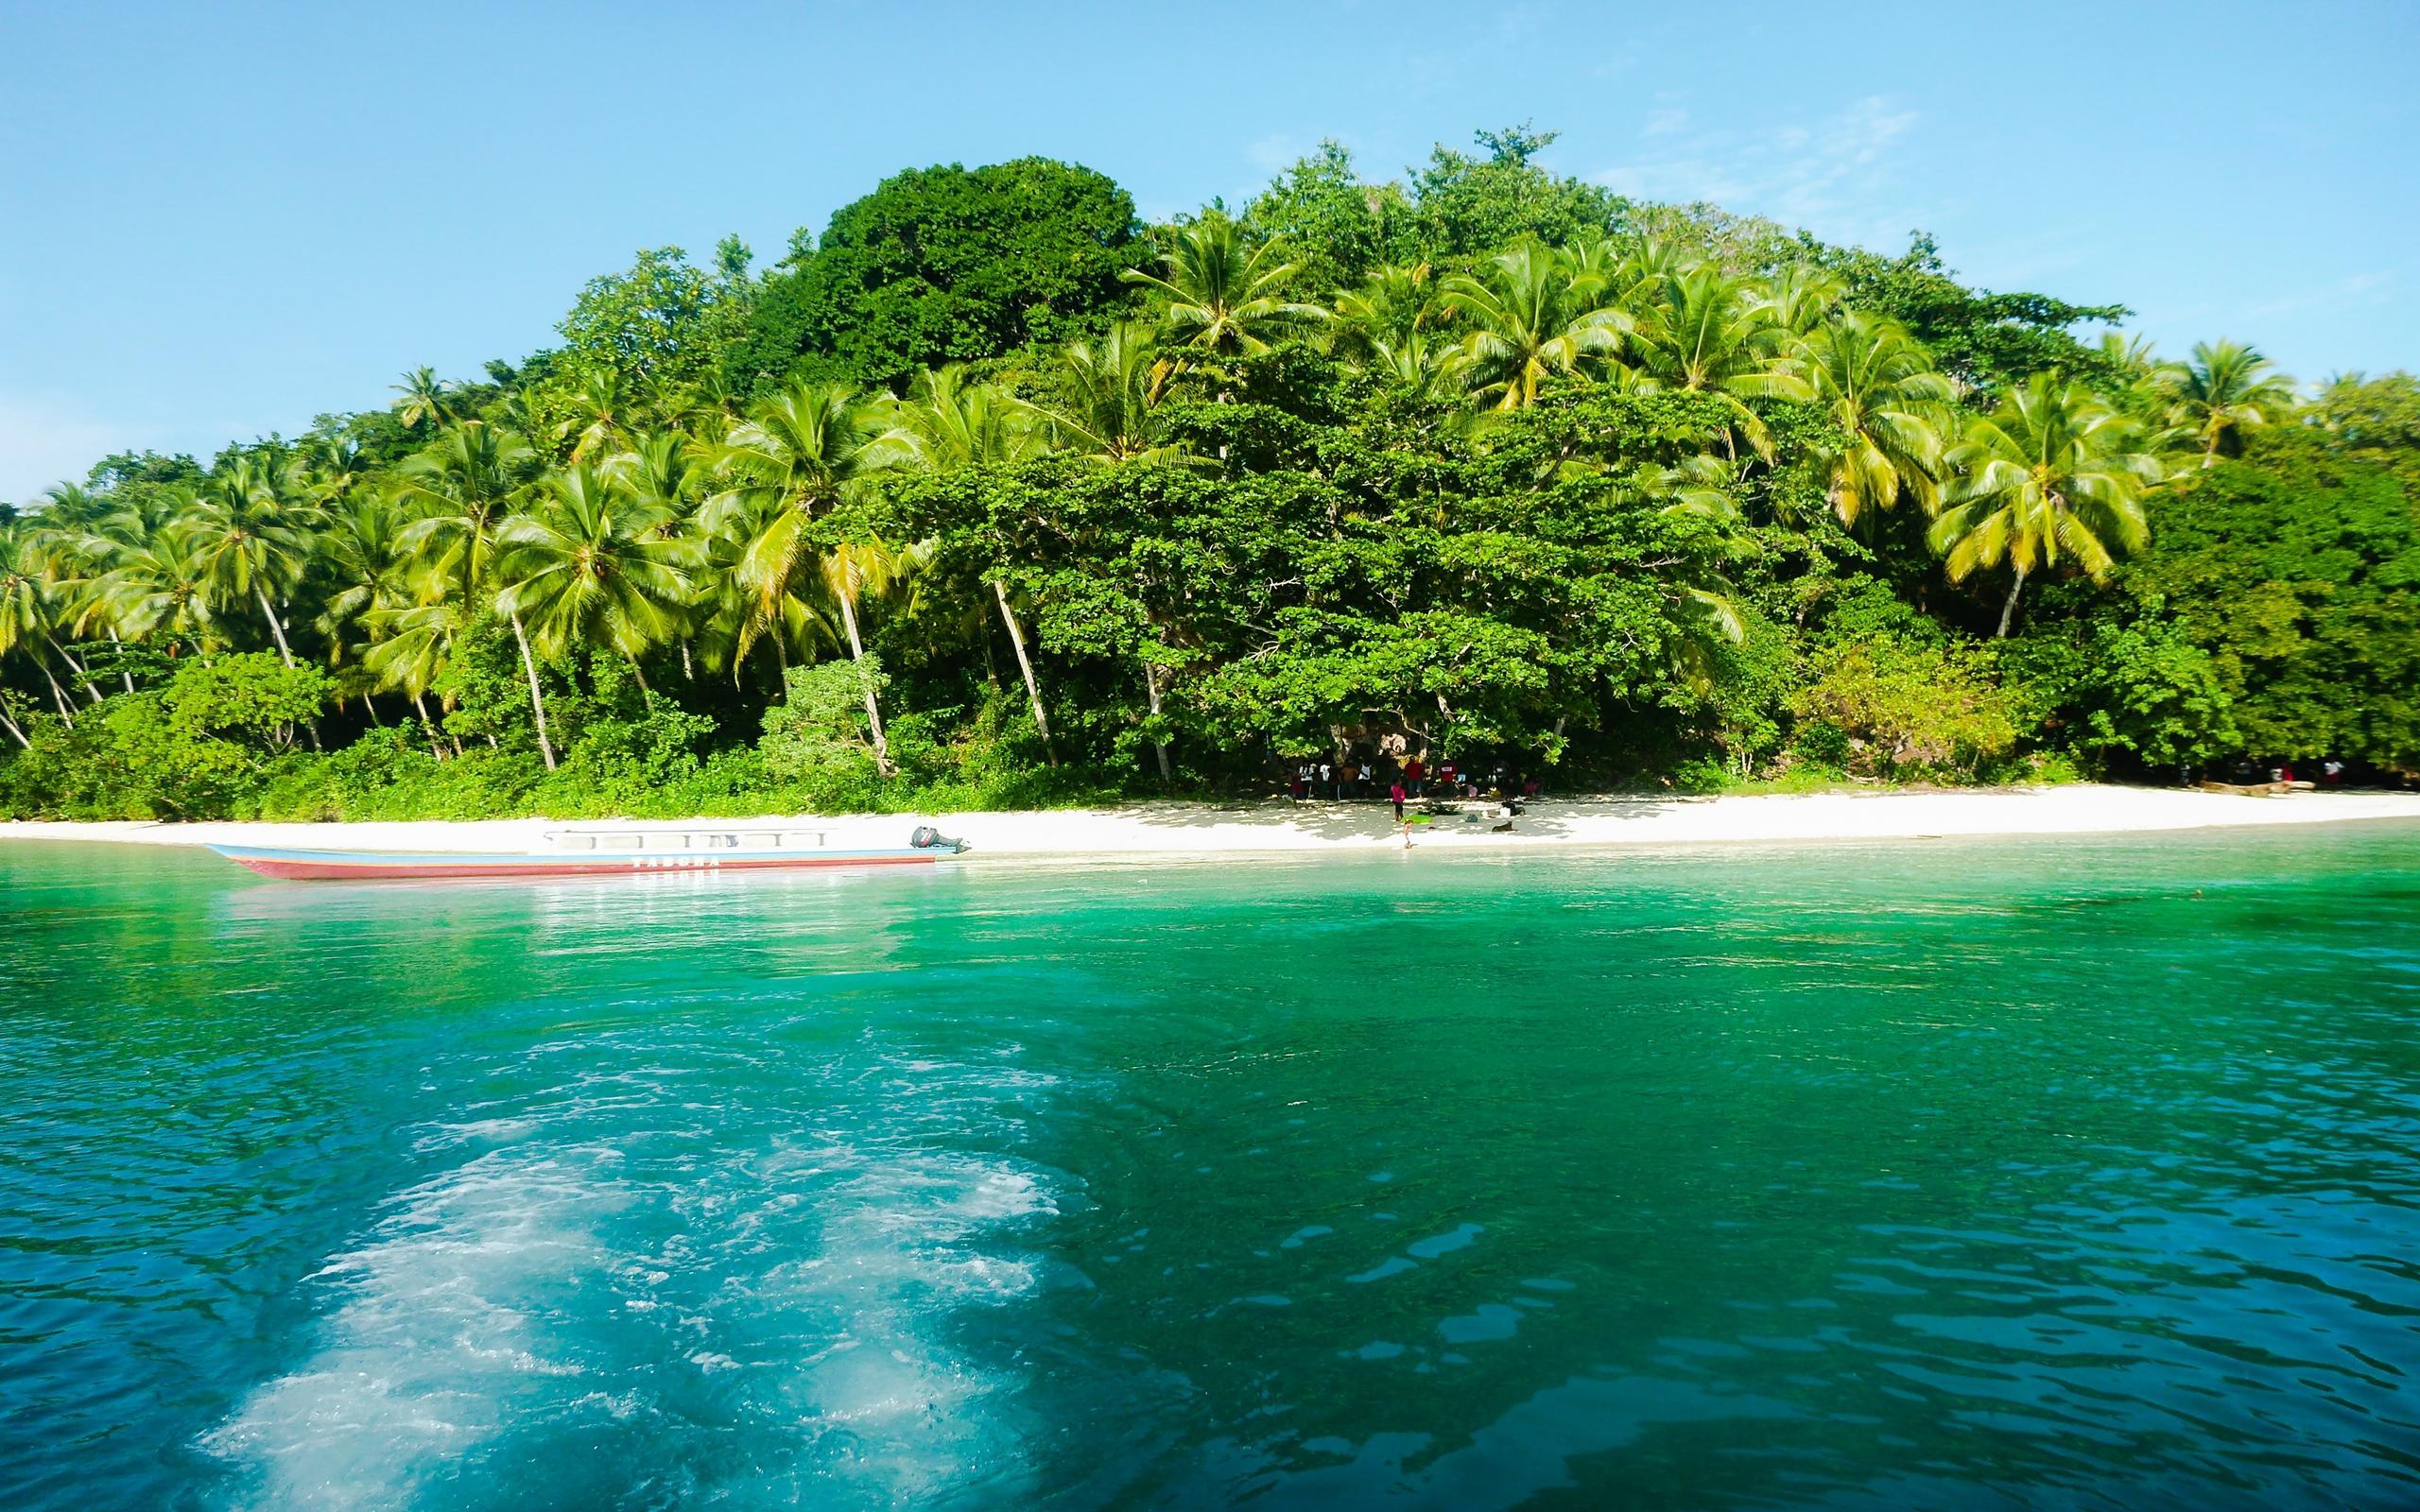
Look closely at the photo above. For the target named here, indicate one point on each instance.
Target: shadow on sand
(1373, 819)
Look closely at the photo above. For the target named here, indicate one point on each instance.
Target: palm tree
(727, 617)
(251, 539)
(1714, 335)
(79, 536)
(602, 410)
(1225, 298)
(788, 465)
(948, 422)
(851, 570)
(1112, 389)
(952, 423)
(710, 405)
(461, 488)
(411, 645)
(372, 571)
(2227, 388)
(1394, 305)
(161, 585)
(330, 471)
(585, 566)
(1802, 297)
(1427, 369)
(515, 414)
(668, 474)
(421, 399)
(1889, 405)
(665, 473)
(25, 612)
(2052, 475)
(590, 563)
(1532, 312)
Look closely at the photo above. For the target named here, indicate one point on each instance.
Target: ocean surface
(1967, 1173)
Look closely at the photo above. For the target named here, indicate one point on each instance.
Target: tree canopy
(944, 265)
(990, 494)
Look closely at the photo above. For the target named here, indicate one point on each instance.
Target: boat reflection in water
(618, 850)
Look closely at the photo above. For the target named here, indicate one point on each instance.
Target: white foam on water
(713, 1277)
(884, 1405)
(439, 1324)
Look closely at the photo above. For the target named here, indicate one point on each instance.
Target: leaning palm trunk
(537, 699)
(124, 676)
(873, 706)
(57, 693)
(276, 629)
(2008, 610)
(277, 632)
(83, 673)
(14, 731)
(1024, 664)
(428, 727)
(1152, 690)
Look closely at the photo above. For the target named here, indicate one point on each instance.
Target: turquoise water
(1954, 1175)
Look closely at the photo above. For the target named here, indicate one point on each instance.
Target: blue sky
(222, 220)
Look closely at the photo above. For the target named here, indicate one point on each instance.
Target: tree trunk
(83, 674)
(1024, 664)
(1152, 690)
(640, 677)
(14, 731)
(537, 700)
(368, 703)
(873, 707)
(689, 672)
(124, 676)
(275, 628)
(2008, 611)
(57, 693)
(428, 727)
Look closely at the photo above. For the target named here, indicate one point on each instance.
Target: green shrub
(1908, 708)
(1822, 743)
(254, 696)
(818, 741)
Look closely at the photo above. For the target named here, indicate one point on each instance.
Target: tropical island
(993, 496)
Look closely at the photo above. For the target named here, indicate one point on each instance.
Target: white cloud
(1832, 176)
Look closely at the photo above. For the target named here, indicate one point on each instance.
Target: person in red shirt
(1397, 793)
(1412, 773)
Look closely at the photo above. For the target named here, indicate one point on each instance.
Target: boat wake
(762, 1301)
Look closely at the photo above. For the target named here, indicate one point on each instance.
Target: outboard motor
(928, 838)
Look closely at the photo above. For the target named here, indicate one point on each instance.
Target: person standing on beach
(1395, 792)
(1412, 771)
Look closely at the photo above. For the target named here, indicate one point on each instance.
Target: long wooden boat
(621, 851)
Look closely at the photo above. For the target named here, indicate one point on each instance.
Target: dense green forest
(992, 494)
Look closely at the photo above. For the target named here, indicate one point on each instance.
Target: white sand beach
(1278, 826)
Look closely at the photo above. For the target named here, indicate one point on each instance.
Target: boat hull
(382, 865)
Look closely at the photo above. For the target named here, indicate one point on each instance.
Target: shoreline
(1279, 827)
